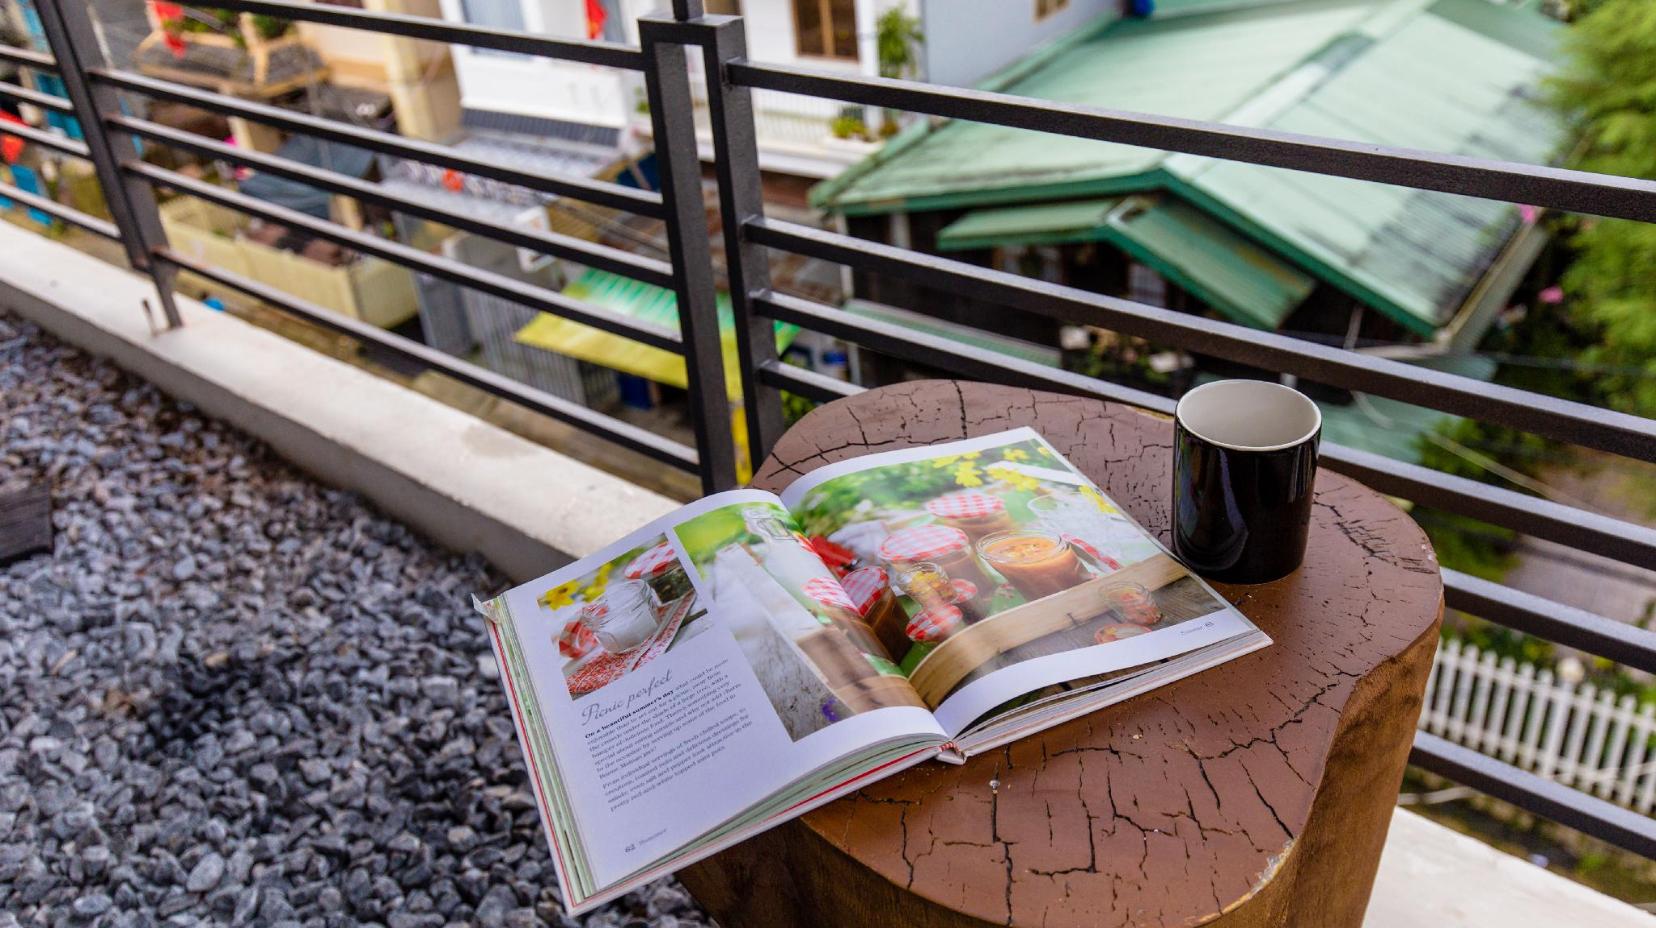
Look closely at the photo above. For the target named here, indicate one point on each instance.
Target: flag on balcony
(595, 15)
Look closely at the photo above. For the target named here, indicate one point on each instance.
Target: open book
(752, 656)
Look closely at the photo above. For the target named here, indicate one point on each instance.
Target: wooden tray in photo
(975, 645)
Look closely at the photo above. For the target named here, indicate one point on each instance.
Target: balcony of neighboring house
(391, 349)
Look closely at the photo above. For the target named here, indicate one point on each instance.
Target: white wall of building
(544, 87)
(969, 40)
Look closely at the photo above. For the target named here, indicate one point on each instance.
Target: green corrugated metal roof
(1233, 275)
(1041, 224)
(1241, 280)
(1458, 76)
(1200, 66)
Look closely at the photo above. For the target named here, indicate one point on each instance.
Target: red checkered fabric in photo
(577, 640)
(934, 624)
(922, 543)
(966, 505)
(828, 593)
(655, 561)
(864, 587)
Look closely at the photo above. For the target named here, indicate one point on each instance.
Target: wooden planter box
(239, 67)
(368, 288)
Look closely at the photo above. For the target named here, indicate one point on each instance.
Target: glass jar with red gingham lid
(870, 591)
(577, 639)
(943, 545)
(977, 514)
(831, 598)
(935, 624)
(826, 591)
(660, 568)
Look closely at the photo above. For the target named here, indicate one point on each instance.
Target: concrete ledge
(1433, 876)
(467, 484)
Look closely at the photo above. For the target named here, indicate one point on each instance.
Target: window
(496, 14)
(1045, 8)
(1145, 286)
(826, 28)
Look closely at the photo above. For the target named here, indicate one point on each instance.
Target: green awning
(1242, 281)
(1239, 279)
(1043, 224)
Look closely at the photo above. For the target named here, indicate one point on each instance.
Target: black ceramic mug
(1244, 468)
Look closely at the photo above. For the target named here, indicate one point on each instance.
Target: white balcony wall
(969, 40)
(542, 87)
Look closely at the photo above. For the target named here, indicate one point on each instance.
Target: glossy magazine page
(1004, 571)
(687, 678)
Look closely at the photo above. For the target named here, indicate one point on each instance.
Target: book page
(1009, 570)
(681, 677)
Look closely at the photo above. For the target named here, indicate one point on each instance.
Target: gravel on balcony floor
(236, 697)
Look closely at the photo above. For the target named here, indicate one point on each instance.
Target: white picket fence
(1573, 734)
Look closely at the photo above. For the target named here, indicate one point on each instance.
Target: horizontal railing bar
(1544, 618)
(1578, 423)
(818, 388)
(45, 101)
(649, 270)
(1506, 181)
(607, 54)
(1535, 615)
(604, 193)
(1547, 798)
(28, 57)
(1542, 518)
(1581, 529)
(506, 288)
(624, 434)
(68, 214)
(52, 140)
(936, 352)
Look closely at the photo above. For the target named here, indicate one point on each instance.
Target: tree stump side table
(1255, 793)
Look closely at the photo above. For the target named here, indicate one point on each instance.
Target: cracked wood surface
(1254, 793)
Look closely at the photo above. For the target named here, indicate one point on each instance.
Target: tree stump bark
(1255, 793)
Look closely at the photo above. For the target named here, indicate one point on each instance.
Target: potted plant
(247, 54)
(897, 39)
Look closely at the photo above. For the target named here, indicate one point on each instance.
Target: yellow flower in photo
(945, 461)
(560, 596)
(600, 582)
(1003, 472)
(1016, 454)
(1045, 452)
(1098, 500)
(966, 475)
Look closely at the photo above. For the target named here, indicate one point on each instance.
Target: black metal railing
(750, 237)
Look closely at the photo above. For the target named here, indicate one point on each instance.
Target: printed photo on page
(998, 553)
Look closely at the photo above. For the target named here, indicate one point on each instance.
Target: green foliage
(227, 22)
(845, 126)
(794, 407)
(1608, 90)
(1504, 642)
(1456, 447)
(905, 487)
(897, 39)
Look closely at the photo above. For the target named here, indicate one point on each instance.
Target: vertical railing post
(673, 122)
(74, 43)
(741, 198)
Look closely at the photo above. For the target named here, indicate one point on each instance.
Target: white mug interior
(1249, 415)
